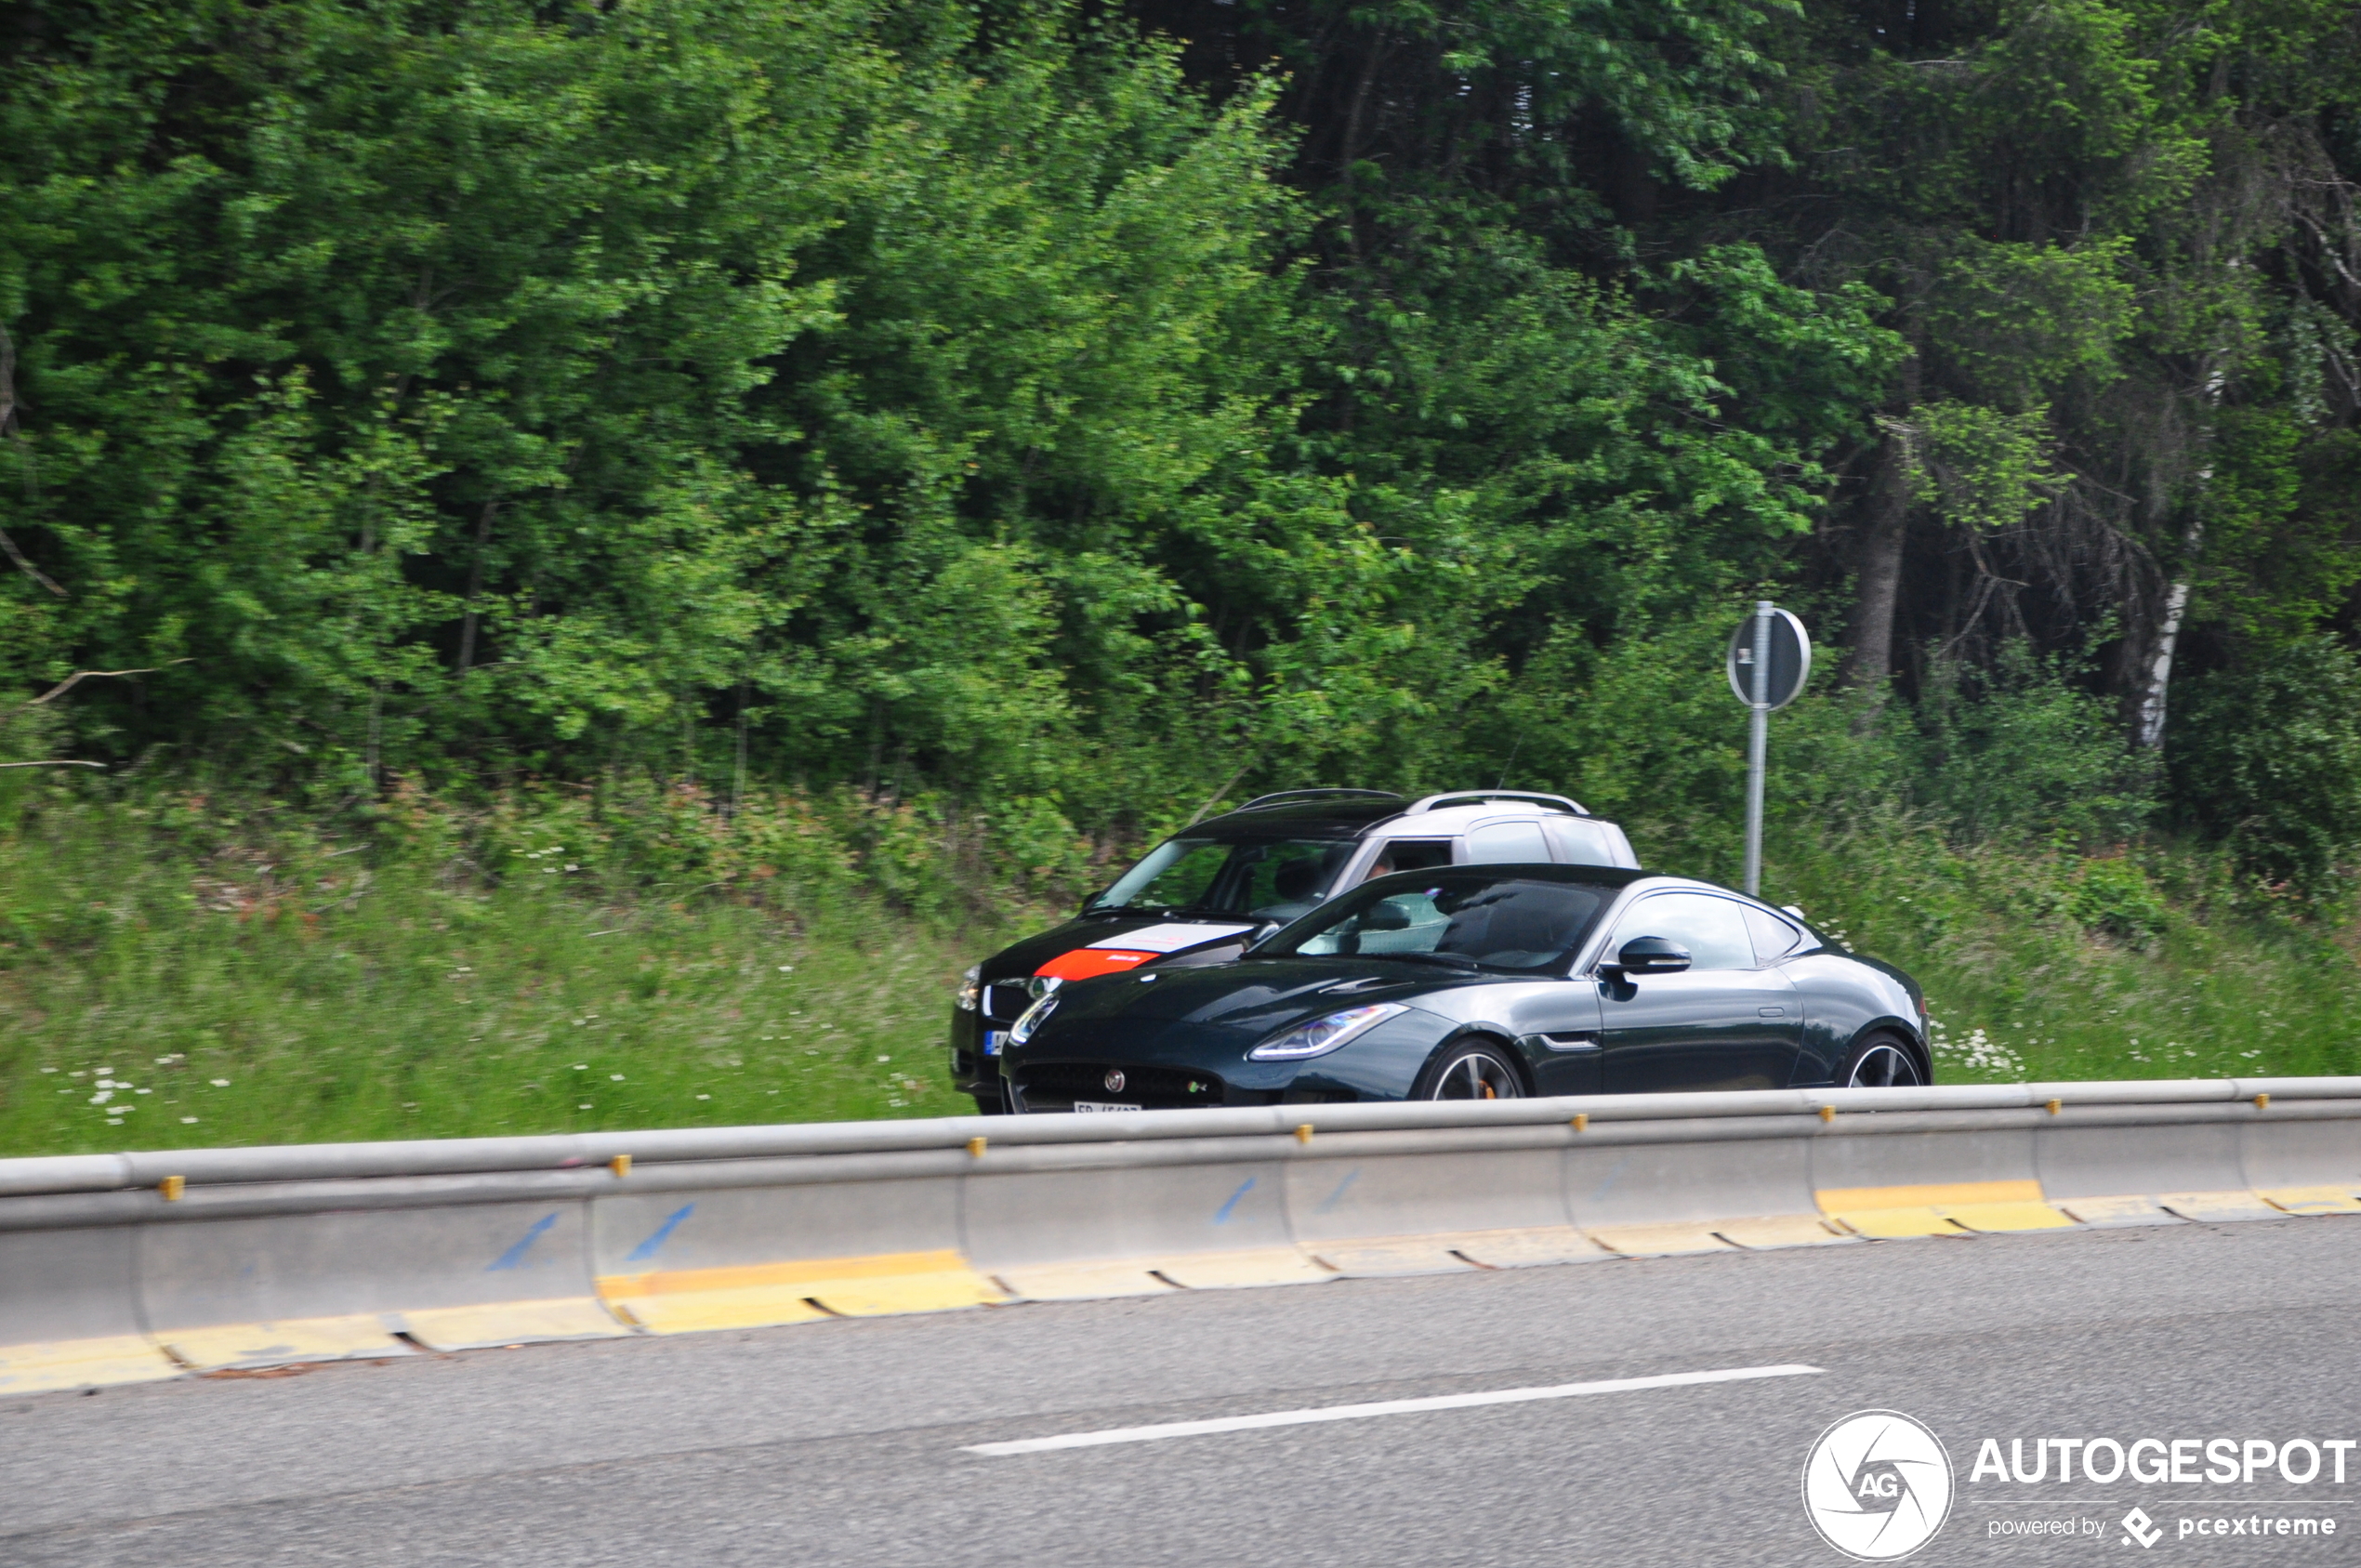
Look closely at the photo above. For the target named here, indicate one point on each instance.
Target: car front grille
(1055, 1086)
(1005, 1004)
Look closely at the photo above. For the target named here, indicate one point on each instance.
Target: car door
(1725, 1023)
(1562, 1041)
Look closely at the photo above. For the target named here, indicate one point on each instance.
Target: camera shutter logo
(1878, 1485)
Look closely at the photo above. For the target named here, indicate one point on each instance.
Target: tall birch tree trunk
(2160, 672)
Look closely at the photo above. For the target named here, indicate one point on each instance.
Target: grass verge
(162, 986)
(151, 1000)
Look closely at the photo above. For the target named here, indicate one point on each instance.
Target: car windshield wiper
(1454, 960)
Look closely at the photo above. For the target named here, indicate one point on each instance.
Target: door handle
(1772, 1012)
(1563, 1043)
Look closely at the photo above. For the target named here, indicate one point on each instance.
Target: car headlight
(971, 989)
(1022, 1030)
(1322, 1035)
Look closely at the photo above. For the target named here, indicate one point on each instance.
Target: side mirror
(1649, 956)
(1092, 902)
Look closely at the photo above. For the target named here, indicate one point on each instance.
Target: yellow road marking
(2311, 1200)
(512, 1323)
(81, 1363)
(755, 1294)
(1895, 1224)
(1939, 1194)
(275, 1344)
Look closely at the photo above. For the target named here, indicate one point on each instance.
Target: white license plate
(1100, 1105)
(993, 1039)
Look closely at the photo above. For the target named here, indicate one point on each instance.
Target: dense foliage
(1073, 413)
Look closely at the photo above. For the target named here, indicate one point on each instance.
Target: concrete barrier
(673, 1259)
(1049, 1224)
(2147, 1166)
(1889, 1175)
(2302, 1157)
(1364, 1208)
(68, 1316)
(1713, 1188)
(117, 1267)
(261, 1290)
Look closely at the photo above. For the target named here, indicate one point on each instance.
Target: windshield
(1462, 919)
(1278, 878)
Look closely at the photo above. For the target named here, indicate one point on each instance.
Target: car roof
(1618, 876)
(1346, 817)
(1595, 875)
(1352, 813)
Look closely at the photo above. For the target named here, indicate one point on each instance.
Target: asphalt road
(842, 1442)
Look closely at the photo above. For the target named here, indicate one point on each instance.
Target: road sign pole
(1758, 745)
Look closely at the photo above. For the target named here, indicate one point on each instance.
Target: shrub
(2268, 757)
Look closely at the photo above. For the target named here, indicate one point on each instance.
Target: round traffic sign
(1791, 662)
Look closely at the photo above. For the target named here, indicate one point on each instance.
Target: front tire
(1469, 1072)
(1883, 1063)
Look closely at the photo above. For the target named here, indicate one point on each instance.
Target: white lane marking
(1382, 1407)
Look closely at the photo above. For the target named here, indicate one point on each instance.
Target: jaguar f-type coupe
(1483, 983)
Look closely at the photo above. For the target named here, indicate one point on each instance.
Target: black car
(1205, 893)
(1490, 981)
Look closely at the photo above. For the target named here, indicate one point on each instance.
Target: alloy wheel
(1477, 1075)
(1884, 1067)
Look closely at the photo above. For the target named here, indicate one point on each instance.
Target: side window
(1404, 923)
(1774, 938)
(1579, 842)
(1410, 854)
(1507, 843)
(1288, 873)
(1714, 930)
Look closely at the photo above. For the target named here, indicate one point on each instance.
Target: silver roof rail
(1285, 795)
(1431, 801)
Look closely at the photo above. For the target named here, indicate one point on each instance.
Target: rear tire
(1882, 1061)
(1469, 1072)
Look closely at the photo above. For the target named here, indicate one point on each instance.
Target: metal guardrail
(123, 1267)
(329, 1162)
